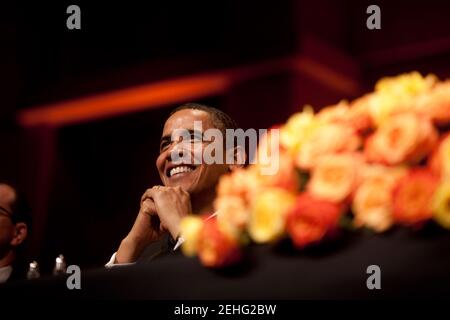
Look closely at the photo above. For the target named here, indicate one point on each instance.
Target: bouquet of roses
(382, 159)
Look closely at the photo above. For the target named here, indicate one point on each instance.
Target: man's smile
(180, 170)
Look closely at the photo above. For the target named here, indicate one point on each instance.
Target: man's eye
(196, 137)
(164, 145)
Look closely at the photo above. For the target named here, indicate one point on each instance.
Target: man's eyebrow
(165, 138)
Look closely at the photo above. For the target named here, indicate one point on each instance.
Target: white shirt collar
(180, 239)
(5, 272)
(212, 216)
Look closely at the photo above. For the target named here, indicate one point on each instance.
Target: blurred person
(15, 223)
(186, 188)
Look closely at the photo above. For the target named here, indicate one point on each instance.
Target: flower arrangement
(382, 159)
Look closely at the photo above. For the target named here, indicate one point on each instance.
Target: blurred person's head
(15, 222)
(198, 179)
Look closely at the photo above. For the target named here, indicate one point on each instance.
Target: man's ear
(20, 234)
(239, 158)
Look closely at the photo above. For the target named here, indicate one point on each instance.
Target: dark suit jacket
(19, 271)
(158, 249)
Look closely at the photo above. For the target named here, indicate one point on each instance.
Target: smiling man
(187, 186)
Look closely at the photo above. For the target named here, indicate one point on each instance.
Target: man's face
(193, 178)
(7, 197)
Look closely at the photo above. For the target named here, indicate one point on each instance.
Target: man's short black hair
(20, 208)
(221, 120)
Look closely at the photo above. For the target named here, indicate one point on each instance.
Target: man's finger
(150, 193)
(146, 195)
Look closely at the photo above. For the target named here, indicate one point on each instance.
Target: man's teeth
(180, 169)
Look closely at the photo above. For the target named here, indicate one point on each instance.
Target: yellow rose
(405, 85)
(441, 205)
(190, 228)
(377, 219)
(297, 129)
(335, 176)
(267, 219)
(398, 94)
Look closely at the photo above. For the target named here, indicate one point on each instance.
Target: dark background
(84, 178)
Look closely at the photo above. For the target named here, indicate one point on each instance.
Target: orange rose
(436, 104)
(413, 195)
(372, 202)
(337, 113)
(269, 153)
(439, 161)
(285, 177)
(217, 248)
(355, 116)
(310, 219)
(359, 117)
(233, 213)
(388, 175)
(243, 183)
(335, 176)
(402, 138)
(328, 138)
